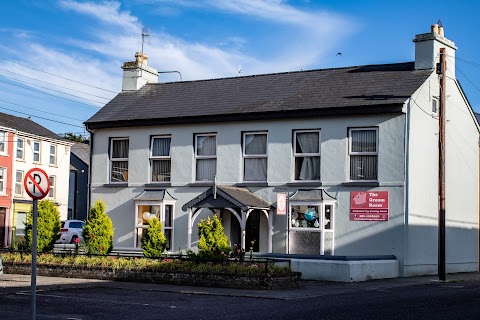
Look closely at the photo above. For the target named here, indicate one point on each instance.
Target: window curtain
(255, 169)
(310, 167)
(120, 149)
(363, 167)
(161, 147)
(161, 170)
(206, 168)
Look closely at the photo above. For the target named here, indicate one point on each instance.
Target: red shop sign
(369, 206)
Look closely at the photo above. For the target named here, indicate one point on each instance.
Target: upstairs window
(53, 155)
(306, 152)
(3, 142)
(20, 149)
(19, 183)
(160, 161)
(363, 151)
(205, 157)
(51, 193)
(255, 156)
(119, 160)
(3, 181)
(36, 151)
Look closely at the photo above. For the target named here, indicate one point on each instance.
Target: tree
(153, 239)
(73, 137)
(212, 243)
(48, 226)
(98, 231)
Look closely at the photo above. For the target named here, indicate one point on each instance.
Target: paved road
(412, 298)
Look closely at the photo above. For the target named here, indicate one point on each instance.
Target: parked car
(71, 230)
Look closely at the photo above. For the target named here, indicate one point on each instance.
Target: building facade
(32, 146)
(355, 151)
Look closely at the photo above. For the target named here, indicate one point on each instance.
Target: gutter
(89, 194)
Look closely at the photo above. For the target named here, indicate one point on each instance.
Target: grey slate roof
(355, 88)
(26, 125)
(237, 197)
(82, 151)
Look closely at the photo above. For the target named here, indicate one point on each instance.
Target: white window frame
(321, 228)
(19, 184)
(54, 155)
(351, 153)
(303, 155)
(53, 182)
(152, 158)
(198, 157)
(140, 225)
(3, 180)
(21, 149)
(37, 152)
(253, 156)
(118, 159)
(3, 142)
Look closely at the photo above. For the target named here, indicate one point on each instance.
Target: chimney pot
(141, 58)
(435, 28)
(441, 32)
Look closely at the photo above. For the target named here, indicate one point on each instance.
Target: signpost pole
(34, 260)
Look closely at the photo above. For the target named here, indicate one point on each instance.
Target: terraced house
(24, 145)
(354, 149)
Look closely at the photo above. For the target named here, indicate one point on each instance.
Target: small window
(434, 105)
(363, 151)
(255, 156)
(205, 157)
(36, 151)
(3, 181)
(21, 219)
(168, 226)
(53, 155)
(51, 193)
(20, 148)
(119, 160)
(306, 152)
(19, 183)
(160, 161)
(3, 142)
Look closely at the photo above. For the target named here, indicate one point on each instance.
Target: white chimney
(137, 73)
(427, 50)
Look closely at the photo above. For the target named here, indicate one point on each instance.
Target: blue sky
(88, 41)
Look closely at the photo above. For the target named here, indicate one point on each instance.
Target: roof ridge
(280, 73)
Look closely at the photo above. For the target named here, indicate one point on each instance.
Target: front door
(3, 216)
(252, 231)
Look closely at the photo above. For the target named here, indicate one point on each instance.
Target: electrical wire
(55, 75)
(39, 91)
(31, 115)
(53, 114)
(18, 74)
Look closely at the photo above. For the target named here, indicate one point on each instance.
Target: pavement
(306, 290)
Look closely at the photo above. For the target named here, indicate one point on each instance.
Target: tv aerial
(145, 34)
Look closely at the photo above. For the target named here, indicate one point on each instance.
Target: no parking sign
(36, 183)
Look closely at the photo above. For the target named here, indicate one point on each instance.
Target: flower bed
(230, 274)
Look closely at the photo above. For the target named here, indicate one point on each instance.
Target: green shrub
(48, 226)
(98, 231)
(212, 242)
(153, 239)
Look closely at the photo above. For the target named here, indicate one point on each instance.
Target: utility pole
(441, 69)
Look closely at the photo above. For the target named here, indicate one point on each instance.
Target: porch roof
(228, 197)
(154, 195)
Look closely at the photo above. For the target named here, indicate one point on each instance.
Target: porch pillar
(243, 225)
(189, 240)
(270, 230)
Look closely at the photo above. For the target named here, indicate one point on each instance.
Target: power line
(55, 75)
(18, 74)
(53, 114)
(13, 84)
(31, 115)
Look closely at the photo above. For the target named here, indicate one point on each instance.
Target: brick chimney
(427, 49)
(137, 73)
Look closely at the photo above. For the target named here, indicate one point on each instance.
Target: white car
(71, 230)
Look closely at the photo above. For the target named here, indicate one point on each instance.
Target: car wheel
(73, 239)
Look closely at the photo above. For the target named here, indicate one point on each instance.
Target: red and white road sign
(281, 203)
(36, 183)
